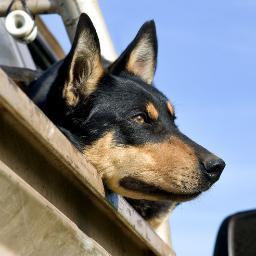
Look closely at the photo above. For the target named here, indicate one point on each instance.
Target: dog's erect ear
(83, 62)
(140, 56)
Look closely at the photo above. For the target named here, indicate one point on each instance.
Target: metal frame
(70, 11)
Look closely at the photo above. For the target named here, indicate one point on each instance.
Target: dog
(123, 124)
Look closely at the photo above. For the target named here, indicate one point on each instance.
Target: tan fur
(170, 107)
(68, 94)
(141, 61)
(152, 111)
(87, 82)
(157, 221)
(86, 85)
(91, 83)
(170, 165)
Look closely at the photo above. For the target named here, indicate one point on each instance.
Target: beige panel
(30, 225)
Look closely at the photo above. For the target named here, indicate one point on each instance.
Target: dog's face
(126, 127)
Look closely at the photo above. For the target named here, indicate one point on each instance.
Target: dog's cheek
(176, 169)
(99, 154)
(114, 162)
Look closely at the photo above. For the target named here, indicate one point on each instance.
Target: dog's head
(125, 126)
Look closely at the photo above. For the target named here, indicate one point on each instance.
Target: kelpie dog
(123, 125)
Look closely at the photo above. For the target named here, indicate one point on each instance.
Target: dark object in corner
(237, 235)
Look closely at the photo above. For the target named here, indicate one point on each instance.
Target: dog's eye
(140, 118)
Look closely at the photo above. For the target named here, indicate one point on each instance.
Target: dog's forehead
(134, 92)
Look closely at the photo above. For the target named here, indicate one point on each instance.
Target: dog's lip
(153, 191)
(165, 195)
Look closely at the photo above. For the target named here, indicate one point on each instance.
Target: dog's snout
(213, 168)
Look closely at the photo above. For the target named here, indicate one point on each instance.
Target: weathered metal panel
(30, 225)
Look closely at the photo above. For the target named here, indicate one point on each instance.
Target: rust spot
(170, 107)
(152, 111)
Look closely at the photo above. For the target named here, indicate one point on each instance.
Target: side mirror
(237, 235)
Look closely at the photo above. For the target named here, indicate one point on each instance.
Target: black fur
(150, 209)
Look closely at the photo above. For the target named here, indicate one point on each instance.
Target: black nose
(213, 168)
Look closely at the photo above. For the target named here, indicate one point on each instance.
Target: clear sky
(207, 67)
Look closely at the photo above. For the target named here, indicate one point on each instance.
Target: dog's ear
(140, 56)
(84, 66)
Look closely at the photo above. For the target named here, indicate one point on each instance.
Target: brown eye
(140, 119)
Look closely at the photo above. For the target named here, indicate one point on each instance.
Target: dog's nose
(213, 168)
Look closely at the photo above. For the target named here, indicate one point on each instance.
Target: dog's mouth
(154, 192)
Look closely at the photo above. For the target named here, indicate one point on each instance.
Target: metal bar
(70, 12)
(24, 75)
(35, 6)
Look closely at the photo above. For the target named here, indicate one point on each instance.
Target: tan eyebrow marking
(170, 107)
(152, 112)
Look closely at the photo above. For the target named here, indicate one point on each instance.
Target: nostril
(214, 168)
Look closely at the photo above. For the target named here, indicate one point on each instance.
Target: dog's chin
(138, 189)
(166, 196)
(177, 197)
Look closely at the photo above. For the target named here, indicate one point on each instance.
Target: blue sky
(207, 67)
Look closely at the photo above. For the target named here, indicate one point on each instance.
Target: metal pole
(70, 11)
(36, 6)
